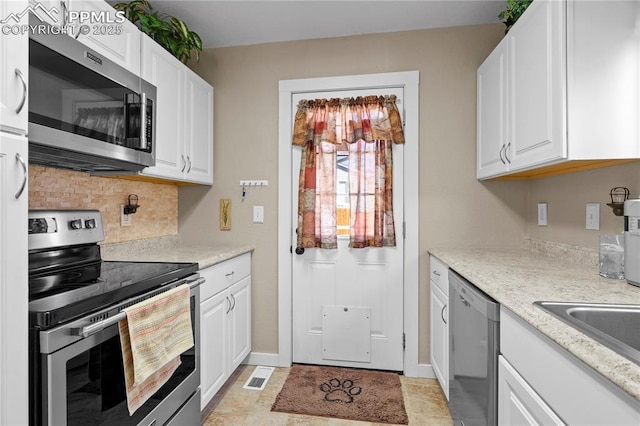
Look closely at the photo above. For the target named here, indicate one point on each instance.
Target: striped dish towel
(154, 334)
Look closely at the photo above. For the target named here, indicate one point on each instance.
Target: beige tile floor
(424, 401)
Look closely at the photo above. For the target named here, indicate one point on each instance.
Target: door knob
(299, 250)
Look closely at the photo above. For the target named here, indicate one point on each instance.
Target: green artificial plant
(168, 31)
(514, 9)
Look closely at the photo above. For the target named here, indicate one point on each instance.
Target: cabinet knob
(299, 250)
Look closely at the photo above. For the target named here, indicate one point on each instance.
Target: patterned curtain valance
(338, 120)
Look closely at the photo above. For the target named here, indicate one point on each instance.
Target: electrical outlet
(542, 214)
(125, 219)
(593, 216)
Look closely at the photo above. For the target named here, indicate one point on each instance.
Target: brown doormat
(345, 393)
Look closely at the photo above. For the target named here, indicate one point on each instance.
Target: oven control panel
(42, 225)
(58, 228)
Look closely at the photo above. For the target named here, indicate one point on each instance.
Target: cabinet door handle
(234, 302)
(506, 149)
(24, 91)
(501, 157)
(24, 173)
(189, 161)
(228, 305)
(442, 314)
(65, 13)
(184, 164)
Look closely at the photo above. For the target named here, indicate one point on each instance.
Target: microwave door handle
(143, 120)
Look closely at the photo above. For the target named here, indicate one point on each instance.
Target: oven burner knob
(75, 224)
(90, 223)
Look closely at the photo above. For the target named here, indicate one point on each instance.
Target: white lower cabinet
(439, 308)
(214, 353)
(518, 403)
(225, 323)
(542, 383)
(440, 338)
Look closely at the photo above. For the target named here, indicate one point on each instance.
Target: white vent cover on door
(259, 378)
(346, 333)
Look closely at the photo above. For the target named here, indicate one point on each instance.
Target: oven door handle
(101, 325)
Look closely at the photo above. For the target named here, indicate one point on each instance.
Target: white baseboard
(262, 358)
(425, 371)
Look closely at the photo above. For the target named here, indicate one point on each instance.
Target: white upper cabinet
(537, 86)
(569, 73)
(165, 72)
(199, 129)
(492, 113)
(117, 41)
(49, 11)
(14, 73)
(184, 118)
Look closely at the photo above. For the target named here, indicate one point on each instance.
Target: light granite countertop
(171, 249)
(517, 278)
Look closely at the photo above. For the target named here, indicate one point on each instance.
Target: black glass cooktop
(56, 296)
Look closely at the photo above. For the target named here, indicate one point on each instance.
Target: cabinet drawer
(439, 275)
(224, 274)
(574, 391)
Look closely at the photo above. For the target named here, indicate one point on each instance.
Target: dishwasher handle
(472, 297)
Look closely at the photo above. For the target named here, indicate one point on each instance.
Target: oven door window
(85, 383)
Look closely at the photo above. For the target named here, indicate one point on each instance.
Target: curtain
(368, 125)
(371, 194)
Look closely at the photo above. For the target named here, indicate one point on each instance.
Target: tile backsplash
(51, 188)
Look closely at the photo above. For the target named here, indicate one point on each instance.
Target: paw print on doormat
(340, 390)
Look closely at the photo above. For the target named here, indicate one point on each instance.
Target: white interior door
(348, 303)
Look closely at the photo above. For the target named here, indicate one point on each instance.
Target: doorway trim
(287, 88)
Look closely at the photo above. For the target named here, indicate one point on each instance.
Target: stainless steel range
(75, 302)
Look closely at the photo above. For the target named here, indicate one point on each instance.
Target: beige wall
(455, 209)
(566, 197)
(51, 188)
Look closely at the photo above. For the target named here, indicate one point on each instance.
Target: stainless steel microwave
(86, 112)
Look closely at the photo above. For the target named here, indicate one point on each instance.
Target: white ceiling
(235, 23)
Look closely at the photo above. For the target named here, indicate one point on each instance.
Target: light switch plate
(593, 216)
(542, 214)
(258, 214)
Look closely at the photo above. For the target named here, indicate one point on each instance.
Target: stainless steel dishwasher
(473, 354)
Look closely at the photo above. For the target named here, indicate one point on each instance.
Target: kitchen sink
(615, 326)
